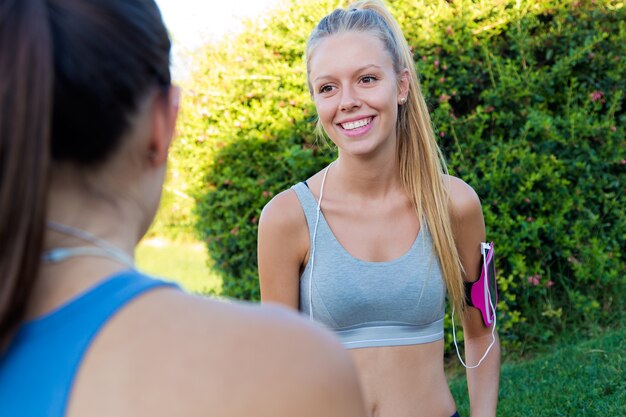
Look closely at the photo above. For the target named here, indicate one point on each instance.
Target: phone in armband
(483, 293)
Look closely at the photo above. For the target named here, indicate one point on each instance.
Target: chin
(362, 147)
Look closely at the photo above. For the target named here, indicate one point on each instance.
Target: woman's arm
(315, 376)
(283, 245)
(469, 232)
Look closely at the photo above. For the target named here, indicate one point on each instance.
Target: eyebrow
(357, 71)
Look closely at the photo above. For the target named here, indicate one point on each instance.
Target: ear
(403, 86)
(164, 114)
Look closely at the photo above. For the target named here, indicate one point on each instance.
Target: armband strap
(483, 293)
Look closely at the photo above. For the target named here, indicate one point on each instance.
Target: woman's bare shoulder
(233, 358)
(463, 200)
(283, 211)
(283, 240)
(467, 223)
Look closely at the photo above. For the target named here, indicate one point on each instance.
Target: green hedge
(251, 105)
(527, 99)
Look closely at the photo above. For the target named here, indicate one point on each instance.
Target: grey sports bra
(371, 304)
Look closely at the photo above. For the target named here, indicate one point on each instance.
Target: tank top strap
(58, 341)
(96, 305)
(308, 203)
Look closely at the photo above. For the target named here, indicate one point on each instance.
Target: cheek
(324, 111)
(391, 104)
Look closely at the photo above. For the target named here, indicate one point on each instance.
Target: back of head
(72, 75)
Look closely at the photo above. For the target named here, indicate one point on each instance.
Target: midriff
(404, 381)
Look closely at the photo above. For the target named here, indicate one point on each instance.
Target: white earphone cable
(493, 326)
(317, 219)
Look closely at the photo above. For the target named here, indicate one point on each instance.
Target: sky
(194, 22)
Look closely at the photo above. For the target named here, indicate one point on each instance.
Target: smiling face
(356, 92)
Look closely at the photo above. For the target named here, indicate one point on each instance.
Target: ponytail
(26, 74)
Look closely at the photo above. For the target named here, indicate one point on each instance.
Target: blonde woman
(371, 244)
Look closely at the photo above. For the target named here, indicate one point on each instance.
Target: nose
(349, 100)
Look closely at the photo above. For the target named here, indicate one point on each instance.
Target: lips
(355, 124)
(357, 127)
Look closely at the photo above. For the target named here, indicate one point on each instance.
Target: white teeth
(356, 124)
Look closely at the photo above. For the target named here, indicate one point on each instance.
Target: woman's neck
(374, 178)
(112, 229)
(93, 210)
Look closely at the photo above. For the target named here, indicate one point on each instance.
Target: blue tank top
(38, 369)
(371, 304)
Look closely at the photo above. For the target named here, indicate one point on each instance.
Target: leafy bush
(251, 108)
(528, 101)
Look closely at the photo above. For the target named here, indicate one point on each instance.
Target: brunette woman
(87, 115)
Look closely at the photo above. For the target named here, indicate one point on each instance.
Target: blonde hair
(421, 162)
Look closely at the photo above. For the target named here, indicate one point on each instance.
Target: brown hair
(25, 107)
(72, 72)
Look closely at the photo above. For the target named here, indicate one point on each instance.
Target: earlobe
(164, 112)
(403, 86)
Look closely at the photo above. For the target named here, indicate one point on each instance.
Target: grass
(182, 262)
(584, 379)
